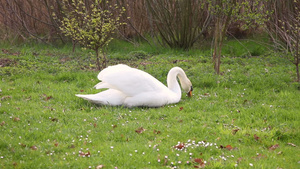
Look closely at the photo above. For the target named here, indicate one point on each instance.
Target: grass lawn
(248, 117)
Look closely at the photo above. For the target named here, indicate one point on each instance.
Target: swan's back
(128, 80)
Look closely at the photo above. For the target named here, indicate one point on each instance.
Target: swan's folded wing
(128, 80)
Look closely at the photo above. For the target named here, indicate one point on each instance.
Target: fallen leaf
(15, 163)
(5, 97)
(95, 125)
(180, 146)
(156, 132)
(279, 153)
(273, 147)
(48, 98)
(81, 91)
(100, 166)
(140, 130)
(33, 147)
(229, 147)
(54, 119)
(291, 144)
(56, 144)
(200, 162)
(114, 126)
(234, 131)
(239, 160)
(15, 119)
(256, 137)
(2, 123)
(85, 154)
(259, 156)
(22, 145)
(181, 108)
(72, 146)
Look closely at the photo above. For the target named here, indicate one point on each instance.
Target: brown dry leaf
(33, 147)
(95, 125)
(100, 166)
(56, 144)
(199, 163)
(291, 144)
(239, 160)
(156, 131)
(229, 147)
(72, 146)
(279, 153)
(234, 131)
(140, 130)
(54, 119)
(179, 146)
(273, 147)
(5, 97)
(2, 123)
(15, 119)
(114, 126)
(259, 156)
(85, 154)
(22, 145)
(181, 108)
(256, 137)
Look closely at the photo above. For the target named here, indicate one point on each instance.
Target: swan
(131, 87)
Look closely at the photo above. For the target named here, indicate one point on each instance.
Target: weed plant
(248, 117)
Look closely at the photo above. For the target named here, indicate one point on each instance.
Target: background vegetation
(246, 115)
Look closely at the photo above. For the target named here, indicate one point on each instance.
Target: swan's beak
(190, 92)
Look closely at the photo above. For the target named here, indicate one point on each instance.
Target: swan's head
(187, 86)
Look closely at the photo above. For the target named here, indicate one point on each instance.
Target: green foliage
(92, 26)
(43, 125)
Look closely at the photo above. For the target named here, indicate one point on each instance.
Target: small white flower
(135, 151)
(177, 155)
(111, 147)
(251, 164)
(191, 154)
(166, 157)
(158, 160)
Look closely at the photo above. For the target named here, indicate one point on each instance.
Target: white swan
(132, 87)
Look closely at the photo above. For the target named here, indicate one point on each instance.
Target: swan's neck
(172, 81)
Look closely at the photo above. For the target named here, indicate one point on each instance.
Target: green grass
(43, 124)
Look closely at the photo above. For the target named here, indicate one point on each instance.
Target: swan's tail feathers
(91, 98)
(108, 97)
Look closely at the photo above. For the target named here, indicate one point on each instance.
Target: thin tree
(92, 25)
(284, 30)
(224, 13)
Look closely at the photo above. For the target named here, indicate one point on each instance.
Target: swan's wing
(128, 80)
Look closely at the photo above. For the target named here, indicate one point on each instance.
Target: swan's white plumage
(132, 87)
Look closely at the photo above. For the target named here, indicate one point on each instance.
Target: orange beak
(190, 94)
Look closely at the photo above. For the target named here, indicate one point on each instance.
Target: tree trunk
(104, 60)
(217, 46)
(98, 59)
(298, 75)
